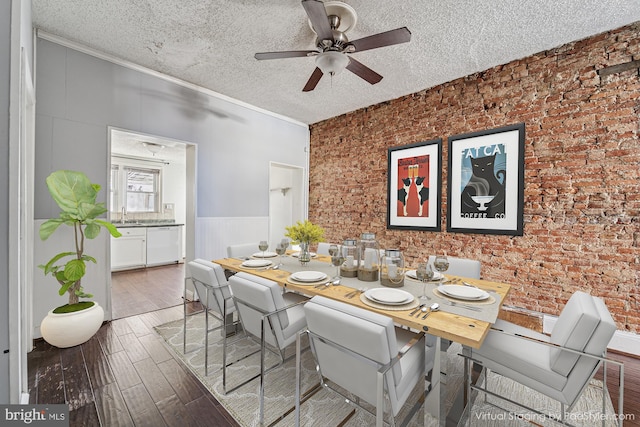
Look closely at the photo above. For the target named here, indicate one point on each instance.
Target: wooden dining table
(449, 324)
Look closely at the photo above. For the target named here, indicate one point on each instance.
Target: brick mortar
(582, 172)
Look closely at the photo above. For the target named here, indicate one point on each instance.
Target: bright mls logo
(37, 415)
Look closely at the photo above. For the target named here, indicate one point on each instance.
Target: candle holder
(368, 257)
(392, 269)
(349, 267)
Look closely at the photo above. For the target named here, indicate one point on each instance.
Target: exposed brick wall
(582, 172)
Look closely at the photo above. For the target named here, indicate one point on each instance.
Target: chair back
(370, 335)
(585, 325)
(255, 297)
(209, 278)
(323, 248)
(244, 250)
(461, 267)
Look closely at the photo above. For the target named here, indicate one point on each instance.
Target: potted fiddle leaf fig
(77, 321)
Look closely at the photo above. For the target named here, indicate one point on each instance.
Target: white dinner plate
(308, 276)
(389, 296)
(464, 292)
(266, 255)
(297, 254)
(436, 275)
(256, 263)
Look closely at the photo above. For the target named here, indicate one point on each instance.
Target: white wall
(80, 96)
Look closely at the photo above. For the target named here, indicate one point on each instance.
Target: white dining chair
(270, 316)
(559, 366)
(365, 354)
(244, 250)
(464, 267)
(212, 289)
(323, 248)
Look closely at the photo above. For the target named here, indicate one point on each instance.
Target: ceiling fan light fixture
(332, 62)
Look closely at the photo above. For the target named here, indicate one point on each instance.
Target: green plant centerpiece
(304, 234)
(76, 196)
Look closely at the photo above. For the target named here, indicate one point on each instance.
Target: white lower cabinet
(146, 246)
(130, 249)
(164, 245)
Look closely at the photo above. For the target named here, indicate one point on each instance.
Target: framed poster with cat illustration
(486, 182)
(414, 183)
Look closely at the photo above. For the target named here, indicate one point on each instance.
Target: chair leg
(206, 337)
(262, 348)
(184, 313)
(380, 400)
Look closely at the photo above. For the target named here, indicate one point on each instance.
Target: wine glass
(333, 249)
(424, 273)
(337, 259)
(263, 246)
(441, 263)
(281, 249)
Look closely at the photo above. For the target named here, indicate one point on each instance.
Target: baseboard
(622, 341)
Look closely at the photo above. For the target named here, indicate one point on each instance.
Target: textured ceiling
(211, 43)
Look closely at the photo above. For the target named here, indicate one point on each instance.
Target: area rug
(325, 408)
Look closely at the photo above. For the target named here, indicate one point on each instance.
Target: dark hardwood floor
(124, 376)
(147, 289)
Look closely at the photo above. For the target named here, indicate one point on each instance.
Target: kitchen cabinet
(130, 249)
(146, 246)
(164, 245)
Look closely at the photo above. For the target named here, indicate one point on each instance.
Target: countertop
(146, 224)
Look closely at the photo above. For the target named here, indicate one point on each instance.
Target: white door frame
(21, 233)
(190, 193)
(287, 198)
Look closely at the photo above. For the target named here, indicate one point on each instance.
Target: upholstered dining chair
(464, 267)
(559, 366)
(213, 291)
(269, 315)
(365, 354)
(244, 250)
(323, 248)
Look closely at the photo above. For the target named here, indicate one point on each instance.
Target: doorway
(286, 199)
(152, 185)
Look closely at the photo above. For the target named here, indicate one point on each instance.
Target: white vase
(70, 329)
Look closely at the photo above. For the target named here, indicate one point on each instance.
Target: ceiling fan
(330, 21)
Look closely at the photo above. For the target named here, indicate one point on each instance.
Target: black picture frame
(414, 183)
(481, 201)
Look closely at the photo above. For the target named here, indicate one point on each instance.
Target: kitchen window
(136, 189)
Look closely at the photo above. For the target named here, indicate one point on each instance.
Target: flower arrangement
(305, 231)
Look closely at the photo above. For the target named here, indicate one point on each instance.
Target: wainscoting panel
(214, 234)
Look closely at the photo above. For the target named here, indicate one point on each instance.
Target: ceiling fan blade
(285, 54)
(319, 20)
(388, 38)
(313, 80)
(362, 71)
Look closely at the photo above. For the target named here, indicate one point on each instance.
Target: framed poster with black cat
(486, 181)
(414, 183)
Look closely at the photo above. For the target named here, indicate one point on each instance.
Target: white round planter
(70, 329)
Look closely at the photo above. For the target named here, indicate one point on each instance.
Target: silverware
(433, 307)
(417, 309)
(322, 285)
(457, 304)
(354, 293)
